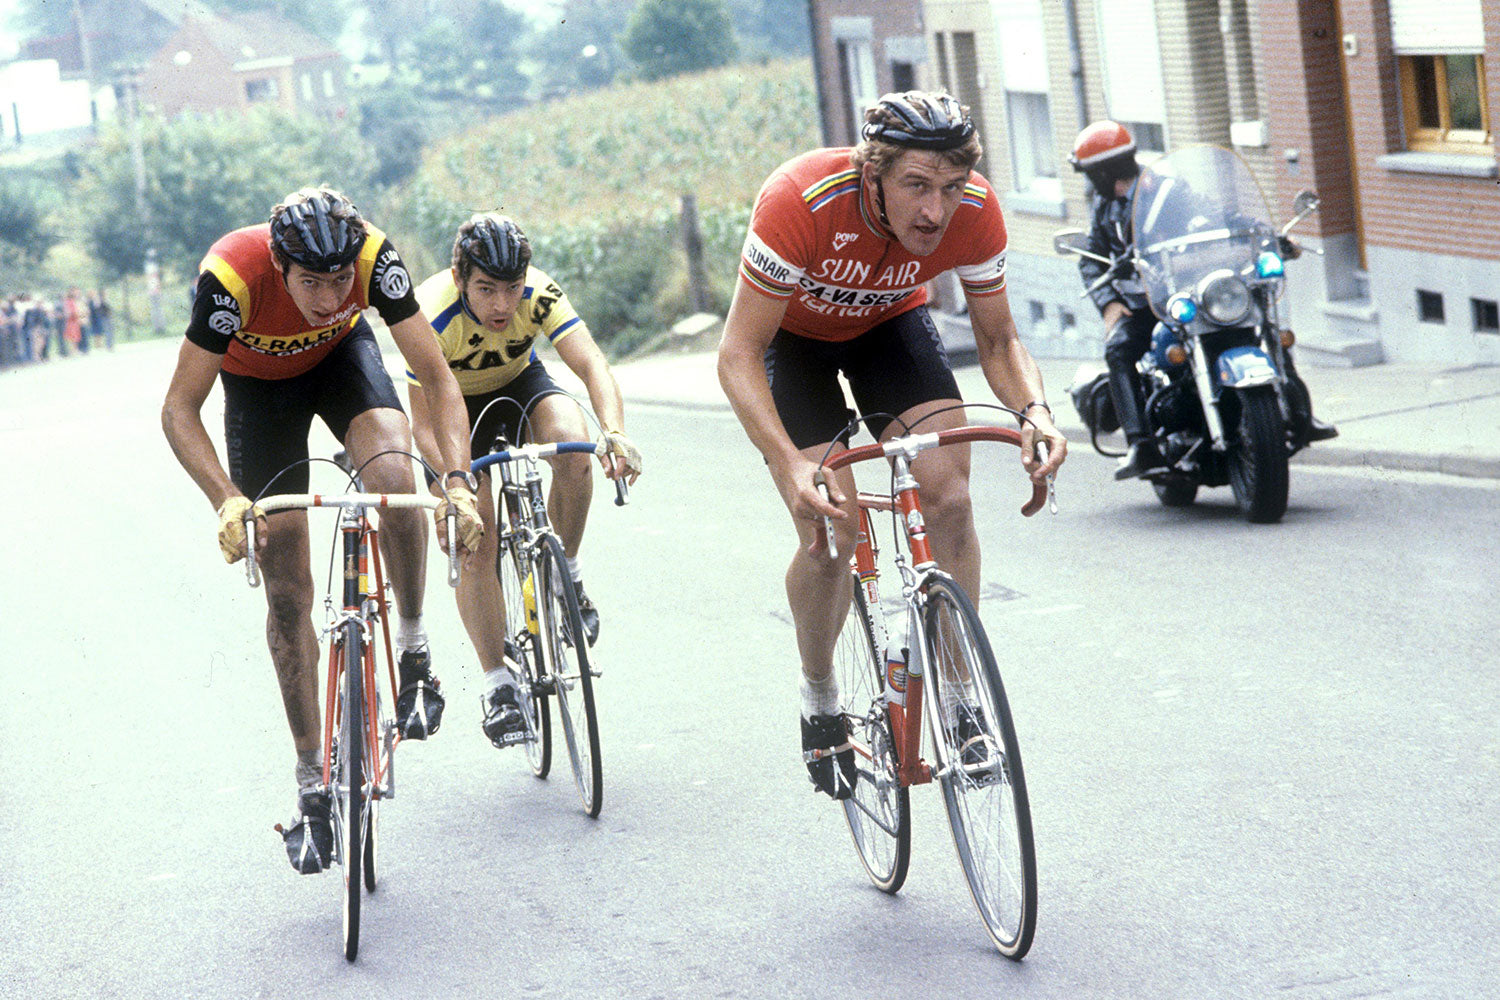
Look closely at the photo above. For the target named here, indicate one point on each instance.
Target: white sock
(820, 698)
(410, 634)
(573, 569)
(309, 767)
(500, 677)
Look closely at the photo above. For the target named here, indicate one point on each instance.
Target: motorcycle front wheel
(1258, 459)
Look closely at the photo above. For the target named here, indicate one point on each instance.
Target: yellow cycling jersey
(484, 360)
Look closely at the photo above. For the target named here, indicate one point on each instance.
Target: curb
(1322, 455)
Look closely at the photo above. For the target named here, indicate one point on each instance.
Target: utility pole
(151, 269)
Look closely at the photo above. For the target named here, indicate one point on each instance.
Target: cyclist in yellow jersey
(489, 309)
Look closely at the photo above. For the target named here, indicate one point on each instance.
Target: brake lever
(1041, 453)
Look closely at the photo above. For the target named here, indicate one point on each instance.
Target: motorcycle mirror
(1069, 240)
(1305, 201)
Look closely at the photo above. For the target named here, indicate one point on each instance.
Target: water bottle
(528, 594)
(895, 676)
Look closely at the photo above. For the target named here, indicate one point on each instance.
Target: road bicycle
(945, 666)
(359, 732)
(544, 629)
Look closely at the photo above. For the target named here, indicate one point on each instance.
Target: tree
(582, 50)
(667, 37)
(470, 53)
(207, 175)
(777, 28)
(25, 206)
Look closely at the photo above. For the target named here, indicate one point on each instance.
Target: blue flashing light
(1269, 265)
(1182, 309)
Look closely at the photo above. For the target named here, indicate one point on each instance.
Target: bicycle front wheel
(979, 760)
(569, 670)
(879, 812)
(510, 566)
(350, 781)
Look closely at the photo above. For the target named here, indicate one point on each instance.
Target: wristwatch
(470, 480)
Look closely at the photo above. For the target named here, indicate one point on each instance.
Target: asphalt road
(1262, 759)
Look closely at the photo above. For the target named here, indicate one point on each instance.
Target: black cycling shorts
(266, 421)
(891, 368)
(500, 411)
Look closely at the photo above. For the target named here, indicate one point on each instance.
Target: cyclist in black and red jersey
(841, 243)
(278, 319)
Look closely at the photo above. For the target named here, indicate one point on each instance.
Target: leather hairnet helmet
(495, 245)
(318, 228)
(921, 121)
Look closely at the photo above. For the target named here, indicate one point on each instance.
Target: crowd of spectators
(35, 328)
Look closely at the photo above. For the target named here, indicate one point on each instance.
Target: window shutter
(1132, 60)
(1423, 27)
(1023, 48)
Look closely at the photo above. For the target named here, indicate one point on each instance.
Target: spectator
(72, 320)
(100, 321)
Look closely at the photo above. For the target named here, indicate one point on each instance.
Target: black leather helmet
(319, 229)
(922, 121)
(495, 245)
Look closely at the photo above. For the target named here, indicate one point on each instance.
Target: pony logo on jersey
(841, 240)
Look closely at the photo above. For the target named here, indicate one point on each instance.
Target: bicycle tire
(372, 809)
(509, 566)
(879, 812)
(350, 782)
(569, 670)
(988, 809)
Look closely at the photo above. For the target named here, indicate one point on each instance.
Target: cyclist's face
(922, 191)
(319, 296)
(492, 301)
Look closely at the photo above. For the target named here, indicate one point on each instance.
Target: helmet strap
(880, 203)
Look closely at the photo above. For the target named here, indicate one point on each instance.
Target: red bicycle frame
(904, 695)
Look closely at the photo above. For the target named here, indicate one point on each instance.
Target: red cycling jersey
(816, 239)
(244, 311)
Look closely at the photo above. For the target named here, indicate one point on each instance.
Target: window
(307, 91)
(328, 83)
(1028, 112)
(263, 89)
(1443, 100)
(857, 68)
(1429, 306)
(1486, 315)
(903, 77)
(1038, 313)
(1134, 93)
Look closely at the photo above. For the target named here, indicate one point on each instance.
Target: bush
(601, 203)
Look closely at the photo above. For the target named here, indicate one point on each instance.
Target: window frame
(1444, 138)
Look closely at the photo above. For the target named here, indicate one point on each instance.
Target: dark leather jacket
(1110, 236)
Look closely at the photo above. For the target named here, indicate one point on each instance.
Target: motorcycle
(1218, 400)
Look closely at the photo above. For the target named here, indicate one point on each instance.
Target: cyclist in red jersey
(832, 278)
(278, 319)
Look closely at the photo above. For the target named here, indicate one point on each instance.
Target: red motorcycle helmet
(1105, 151)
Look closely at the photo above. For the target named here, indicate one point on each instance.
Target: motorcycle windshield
(1197, 211)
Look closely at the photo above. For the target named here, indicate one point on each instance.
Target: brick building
(1382, 106)
(236, 62)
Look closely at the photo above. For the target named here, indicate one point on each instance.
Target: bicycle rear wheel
(983, 785)
(879, 812)
(571, 675)
(510, 567)
(350, 780)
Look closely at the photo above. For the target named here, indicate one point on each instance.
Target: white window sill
(1036, 203)
(1450, 164)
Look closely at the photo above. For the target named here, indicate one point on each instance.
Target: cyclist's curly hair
(883, 155)
(341, 208)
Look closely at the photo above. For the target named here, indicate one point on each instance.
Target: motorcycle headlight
(1182, 309)
(1225, 297)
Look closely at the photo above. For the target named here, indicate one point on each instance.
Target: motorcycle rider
(1105, 153)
